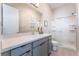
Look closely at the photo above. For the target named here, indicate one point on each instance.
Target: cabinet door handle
(42, 43)
(25, 52)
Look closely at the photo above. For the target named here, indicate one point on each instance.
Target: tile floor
(65, 52)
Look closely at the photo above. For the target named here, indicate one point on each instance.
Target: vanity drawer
(20, 50)
(37, 43)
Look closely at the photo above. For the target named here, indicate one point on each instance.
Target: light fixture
(35, 4)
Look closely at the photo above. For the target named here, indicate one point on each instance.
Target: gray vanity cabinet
(7, 53)
(39, 47)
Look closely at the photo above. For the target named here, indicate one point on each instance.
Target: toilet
(55, 45)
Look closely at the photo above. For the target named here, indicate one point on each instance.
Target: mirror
(20, 18)
(10, 20)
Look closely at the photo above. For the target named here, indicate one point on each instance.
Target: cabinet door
(0, 18)
(44, 49)
(50, 44)
(37, 51)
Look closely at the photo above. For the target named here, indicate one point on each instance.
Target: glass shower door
(64, 31)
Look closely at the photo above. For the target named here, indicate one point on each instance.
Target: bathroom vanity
(30, 45)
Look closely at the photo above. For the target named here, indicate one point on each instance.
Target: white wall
(78, 27)
(65, 10)
(46, 15)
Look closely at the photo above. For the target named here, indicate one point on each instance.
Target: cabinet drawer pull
(42, 43)
(25, 52)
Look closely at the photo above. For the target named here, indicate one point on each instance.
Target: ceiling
(55, 5)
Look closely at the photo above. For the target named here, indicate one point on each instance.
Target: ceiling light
(35, 4)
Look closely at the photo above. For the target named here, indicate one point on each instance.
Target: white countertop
(18, 40)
